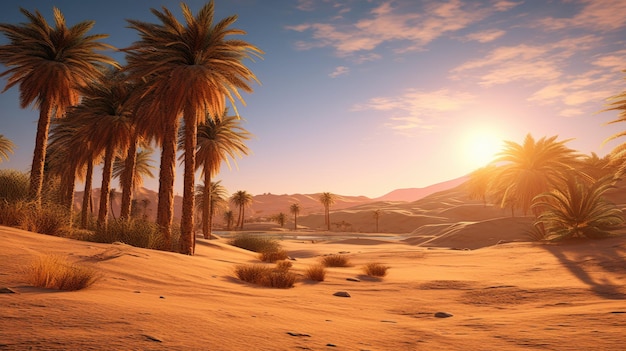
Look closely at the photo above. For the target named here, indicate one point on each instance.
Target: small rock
(388, 321)
(137, 292)
(152, 338)
(7, 291)
(443, 315)
(342, 294)
(331, 345)
(353, 279)
(299, 334)
(161, 297)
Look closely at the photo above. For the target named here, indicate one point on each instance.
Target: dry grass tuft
(374, 269)
(54, 272)
(335, 261)
(283, 265)
(255, 243)
(273, 256)
(316, 272)
(279, 277)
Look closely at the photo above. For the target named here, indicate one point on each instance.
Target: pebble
(342, 294)
(443, 315)
(353, 279)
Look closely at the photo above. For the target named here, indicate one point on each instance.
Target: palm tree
(139, 167)
(241, 199)
(327, 199)
(532, 168)
(280, 218)
(107, 114)
(50, 64)
(112, 197)
(6, 147)
(145, 203)
(217, 140)
(579, 210)
(294, 209)
(480, 182)
(217, 198)
(192, 69)
(376, 215)
(229, 218)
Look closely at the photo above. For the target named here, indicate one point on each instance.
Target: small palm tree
(480, 182)
(141, 167)
(50, 65)
(6, 147)
(241, 199)
(327, 199)
(218, 198)
(578, 210)
(376, 215)
(229, 218)
(295, 211)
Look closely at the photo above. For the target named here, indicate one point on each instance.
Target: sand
(512, 296)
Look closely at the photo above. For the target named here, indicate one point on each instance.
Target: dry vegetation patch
(55, 272)
(258, 274)
(375, 269)
(316, 273)
(335, 260)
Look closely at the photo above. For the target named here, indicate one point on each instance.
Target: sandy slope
(516, 296)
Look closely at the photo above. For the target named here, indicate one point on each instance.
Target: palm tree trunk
(242, 216)
(111, 200)
(39, 155)
(69, 197)
(86, 194)
(167, 173)
(187, 233)
(107, 171)
(127, 179)
(207, 206)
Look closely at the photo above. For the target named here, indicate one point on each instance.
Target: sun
(480, 146)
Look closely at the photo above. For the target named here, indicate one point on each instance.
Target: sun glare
(481, 146)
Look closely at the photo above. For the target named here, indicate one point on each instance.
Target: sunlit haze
(364, 97)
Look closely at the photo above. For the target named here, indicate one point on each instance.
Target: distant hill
(414, 194)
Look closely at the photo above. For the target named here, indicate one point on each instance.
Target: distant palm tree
(294, 209)
(241, 199)
(280, 218)
(376, 215)
(141, 167)
(218, 200)
(532, 168)
(145, 203)
(327, 199)
(229, 218)
(480, 182)
(50, 64)
(107, 113)
(6, 147)
(112, 197)
(578, 210)
(192, 69)
(217, 140)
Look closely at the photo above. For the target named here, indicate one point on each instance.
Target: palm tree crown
(6, 147)
(50, 64)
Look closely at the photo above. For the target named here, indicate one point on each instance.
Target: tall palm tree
(217, 198)
(241, 199)
(532, 168)
(107, 113)
(50, 64)
(192, 70)
(6, 147)
(131, 174)
(294, 209)
(327, 199)
(578, 210)
(217, 140)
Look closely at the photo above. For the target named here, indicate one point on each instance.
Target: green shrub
(255, 243)
(316, 272)
(335, 261)
(374, 269)
(54, 272)
(13, 185)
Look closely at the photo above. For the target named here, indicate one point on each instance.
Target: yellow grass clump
(279, 277)
(375, 269)
(273, 256)
(316, 272)
(55, 272)
(335, 261)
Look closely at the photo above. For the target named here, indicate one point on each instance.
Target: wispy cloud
(485, 36)
(603, 15)
(405, 25)
(416, 109)
(339, 70)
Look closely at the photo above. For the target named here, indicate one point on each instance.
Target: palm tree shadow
(597, 263)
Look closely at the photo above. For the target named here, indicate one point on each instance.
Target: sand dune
(515, 296)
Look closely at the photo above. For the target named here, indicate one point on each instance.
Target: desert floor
(512, 296)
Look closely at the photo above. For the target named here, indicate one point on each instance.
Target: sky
(361, 97)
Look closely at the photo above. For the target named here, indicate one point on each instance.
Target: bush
(135, 232)
(11, 214)
(316, 273)
(49, 219)
(283, 265)
(265, 276)
(255, 243)
(273, 256)
(335, 261)
(54, 272)
(374, 269)
(13, 185)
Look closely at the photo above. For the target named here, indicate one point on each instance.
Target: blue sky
(364, 97)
